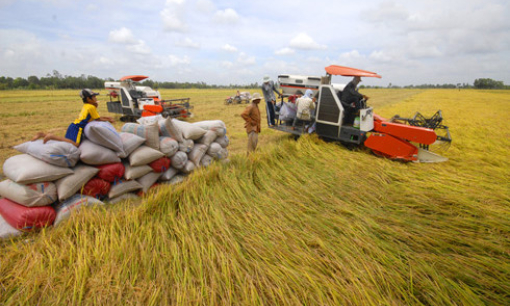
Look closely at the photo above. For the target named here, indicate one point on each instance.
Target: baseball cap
(87, 93)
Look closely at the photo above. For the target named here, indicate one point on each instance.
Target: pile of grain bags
(50, 180)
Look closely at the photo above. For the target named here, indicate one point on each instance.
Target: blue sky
(238, 42)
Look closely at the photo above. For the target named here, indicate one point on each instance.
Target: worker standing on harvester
(251, 116)
(350, 99)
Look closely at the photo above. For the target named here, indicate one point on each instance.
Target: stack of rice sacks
(47, 182)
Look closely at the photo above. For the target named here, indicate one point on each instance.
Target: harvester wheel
(165, 114)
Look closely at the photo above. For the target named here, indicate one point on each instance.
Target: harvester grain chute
(404, 139)
(134, 101)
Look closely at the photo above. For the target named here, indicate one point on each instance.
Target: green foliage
(488, 84)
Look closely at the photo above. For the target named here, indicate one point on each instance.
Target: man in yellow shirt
(88, 113)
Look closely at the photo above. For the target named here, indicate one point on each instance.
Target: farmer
(305, 106)
(268, 89)
(251, 116)
(88, 113)
(350, 99)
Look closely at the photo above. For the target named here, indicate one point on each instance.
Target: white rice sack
(7, 231)
(188, 167)
(25, 169)
(134, 172)
(186, 145)
(149, 132)
(208, 138)
(168, 145)
(179, 178)
(223, 154)
(123, 187)
(223, 141)
(124, 197)
(149, 119)
(71, 184)
(168, 174)
(148, 180)
(206, 160)
(37, 194)
(130, 142)
(197, 153)
(169, 129)
(66, 208)
(58, 153)
(179, 160)
(189, 131)
(214, 150)
(94, 154)
(104, 134)
(217, 126)
(144, 155)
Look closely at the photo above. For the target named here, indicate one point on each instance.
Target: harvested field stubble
(299, 222)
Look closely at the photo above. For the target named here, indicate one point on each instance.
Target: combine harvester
(403, 139)
(134, 101)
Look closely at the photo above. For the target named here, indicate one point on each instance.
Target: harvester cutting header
(405, 139)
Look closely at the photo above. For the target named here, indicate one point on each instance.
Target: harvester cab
(134, 101)
(404, 139)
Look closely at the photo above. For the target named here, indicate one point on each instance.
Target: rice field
(300, 222)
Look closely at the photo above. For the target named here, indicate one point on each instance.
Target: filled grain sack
(168, 145)
(73, 183)
(149, 132)
(96, 188)
(197, 153)
(26, 218)
(188, 130)
(94, 154)
(134, 172)
(186, 145)
(208, 138)
(168, 174)
(25, 169)
(217, 126)
(206, 160)
(148, 180)
(130, 197)
(65, 209)
(144, 155)
(104, 134)
(7, 231)
(124, 187)
(188, 167)
(179, 160)
(130, 142)
(111, 172)
(214, 150)
(31, 195)
(149, 119)
(223, 141)
(169, 129)
(161, 164)
(179, 178)
(223, 154)
(58, 153)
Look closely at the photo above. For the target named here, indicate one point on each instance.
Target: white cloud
(227, 16)
(172, 21)
(285, 51)
(229, 48)
(122, 36)
(305, 42)
(244, 59)
(187, 43)
(205, 6)
(177, 61)
(227, 64)
(139, 48)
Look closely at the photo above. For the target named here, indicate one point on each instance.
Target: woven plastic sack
(223, 141)
(31, 195)
(189, 131)
(26, 218)
(7, 231)
(134, 172)
(169, 129)
(197, 153)
(104, 134)
(148, 180)
(186, 146)
(58, 153)
(71, 184)
(149, 119)
(161, 164)
(168, 174)
(130, 197)
(149, 132)
(144, 155)
(217, 126)
(130, 142)
(94, 154)
(168, 145)
(206, 160)
(96, 188)
(124, 187)
(179, 160)
(111, 172)
(188, 167)
(208, 138)
(65, 209)
(214, 150)
(25, 169)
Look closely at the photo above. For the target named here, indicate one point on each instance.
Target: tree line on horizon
(59, 81)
